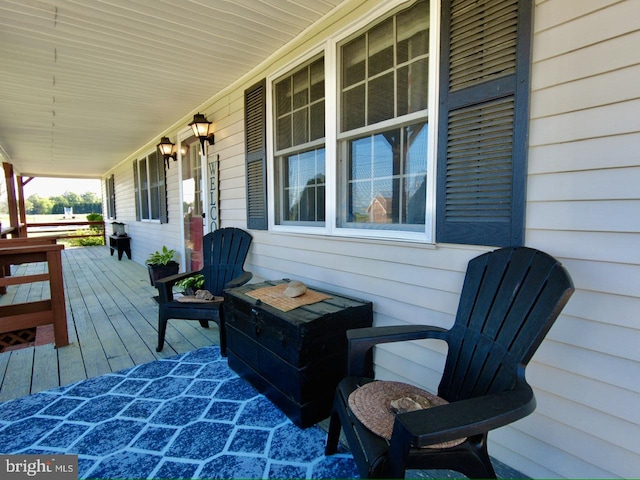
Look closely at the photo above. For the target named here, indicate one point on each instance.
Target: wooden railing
(69, 229)
(33, 314)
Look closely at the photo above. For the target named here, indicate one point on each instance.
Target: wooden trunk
(295, 358)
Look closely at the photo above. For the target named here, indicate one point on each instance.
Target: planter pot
(157, 272)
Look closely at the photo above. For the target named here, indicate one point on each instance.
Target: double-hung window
(149, 188)
(411, 127)
(299, 154)
(381, 147)
(383, 140)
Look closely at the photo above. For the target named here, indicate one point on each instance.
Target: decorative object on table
(295, 289)
(118, 229)
(224, 253)
(277, 297)
(297, 356)
(509, 301)
(161, 264)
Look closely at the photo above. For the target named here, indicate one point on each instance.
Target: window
(150, 190)
(299, 152)
(383, 132)
(403, 143)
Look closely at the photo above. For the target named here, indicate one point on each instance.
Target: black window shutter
(111, 196)
(256, 154)
(483, 121)
(162, 180)
(136, 189)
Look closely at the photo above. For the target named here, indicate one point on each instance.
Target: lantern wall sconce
(170, 150)
(200, 126)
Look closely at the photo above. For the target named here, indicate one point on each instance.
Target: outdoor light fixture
(170, 150)
(200, 126)
(166, 149)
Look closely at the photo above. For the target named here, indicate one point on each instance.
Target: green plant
(94, 217)
(83, 242)
(193, 283)
(161, 257)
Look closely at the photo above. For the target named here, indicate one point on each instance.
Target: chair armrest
(165, 285)
(362, 340)
(238, 281)
(464, 418)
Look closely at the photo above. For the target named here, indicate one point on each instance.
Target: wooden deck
(112, 320)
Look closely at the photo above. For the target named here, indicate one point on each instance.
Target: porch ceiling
(84, 83)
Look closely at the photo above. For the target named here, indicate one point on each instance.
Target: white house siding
(583, 201)
(582, 207)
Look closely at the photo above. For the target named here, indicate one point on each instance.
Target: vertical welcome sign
(213, 162)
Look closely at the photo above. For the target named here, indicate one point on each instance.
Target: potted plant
(161, 264)
(191, 284)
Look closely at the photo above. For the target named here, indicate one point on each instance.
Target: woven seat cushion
(376, 404)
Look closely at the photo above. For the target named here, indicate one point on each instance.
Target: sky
(50, 187)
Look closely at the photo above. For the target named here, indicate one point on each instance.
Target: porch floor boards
(112, 321)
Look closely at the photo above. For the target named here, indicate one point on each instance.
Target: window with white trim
(299, 166)
(407, 142)
(150, 189)
(383, 141)
(382, 132)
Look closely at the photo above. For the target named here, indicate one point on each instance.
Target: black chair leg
(204, 323)
(333, 436)
(162, 328)
(222, 329)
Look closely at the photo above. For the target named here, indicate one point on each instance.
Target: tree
(38, 206)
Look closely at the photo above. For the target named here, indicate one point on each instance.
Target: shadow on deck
(112, 322)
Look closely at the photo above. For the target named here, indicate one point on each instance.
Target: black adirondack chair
(509, 301)
(224, 253)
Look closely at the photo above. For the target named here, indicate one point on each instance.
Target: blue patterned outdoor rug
(186, 417)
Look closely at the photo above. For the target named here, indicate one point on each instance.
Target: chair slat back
(509, 301)
(224, 251)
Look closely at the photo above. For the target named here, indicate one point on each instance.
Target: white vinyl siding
(582, 206)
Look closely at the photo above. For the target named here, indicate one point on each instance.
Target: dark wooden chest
(296, 358)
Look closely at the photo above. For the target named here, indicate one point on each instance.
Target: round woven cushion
(371, 404)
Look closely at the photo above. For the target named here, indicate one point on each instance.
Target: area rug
(185, 417)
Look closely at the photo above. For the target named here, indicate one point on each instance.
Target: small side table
(122, 244)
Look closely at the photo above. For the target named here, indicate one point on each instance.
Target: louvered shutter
(256, 155)
(162, 193)
(110, 185)
(136, 189)
(483, 126)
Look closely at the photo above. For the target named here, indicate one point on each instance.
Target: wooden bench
(44, 312)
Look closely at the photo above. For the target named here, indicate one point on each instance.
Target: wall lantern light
(170, 150)
(200, 126)
(166, 149)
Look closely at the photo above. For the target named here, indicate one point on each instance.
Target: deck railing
(67, 229)
(33, 314)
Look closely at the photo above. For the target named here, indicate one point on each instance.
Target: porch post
(11, 198)
(22, 181)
